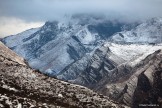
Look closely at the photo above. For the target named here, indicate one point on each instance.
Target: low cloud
(43, 10)
(29, 13)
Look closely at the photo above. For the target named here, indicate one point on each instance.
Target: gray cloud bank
(43, 10)
(19, 15)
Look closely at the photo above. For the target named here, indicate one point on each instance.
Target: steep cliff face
(113, 61)
(102, 63)
(149, 85)
(123, 76)
(140, 86)
(21, 86)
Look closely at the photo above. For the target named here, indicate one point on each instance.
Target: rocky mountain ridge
(147, 32)
(74, 40)
(141, 86)
(77, 40)
(107, 62)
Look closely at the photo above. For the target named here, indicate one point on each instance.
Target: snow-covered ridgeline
(147, 32)
(133, 53)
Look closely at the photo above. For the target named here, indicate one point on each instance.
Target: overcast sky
(19, 15)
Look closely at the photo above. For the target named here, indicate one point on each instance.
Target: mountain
(128, 72)
(113, 61)
(142, 85)
(63, 48)
(21, 86)
(147, 32)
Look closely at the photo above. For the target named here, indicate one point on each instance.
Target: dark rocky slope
(142, 85)
(132, 84)
(22, 86)
(102, 63)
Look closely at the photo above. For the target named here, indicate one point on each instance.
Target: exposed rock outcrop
(102, 63)
(140, 86)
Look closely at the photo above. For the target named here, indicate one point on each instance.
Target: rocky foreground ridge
(22, 86)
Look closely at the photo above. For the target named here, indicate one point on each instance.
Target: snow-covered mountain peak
(147, 32)
(16, 40)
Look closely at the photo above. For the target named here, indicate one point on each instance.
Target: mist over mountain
(34, 13)
(49, 10)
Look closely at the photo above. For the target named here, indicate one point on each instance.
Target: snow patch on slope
(148, 32)
(133, 52)
(15, 40)
(85, 36)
